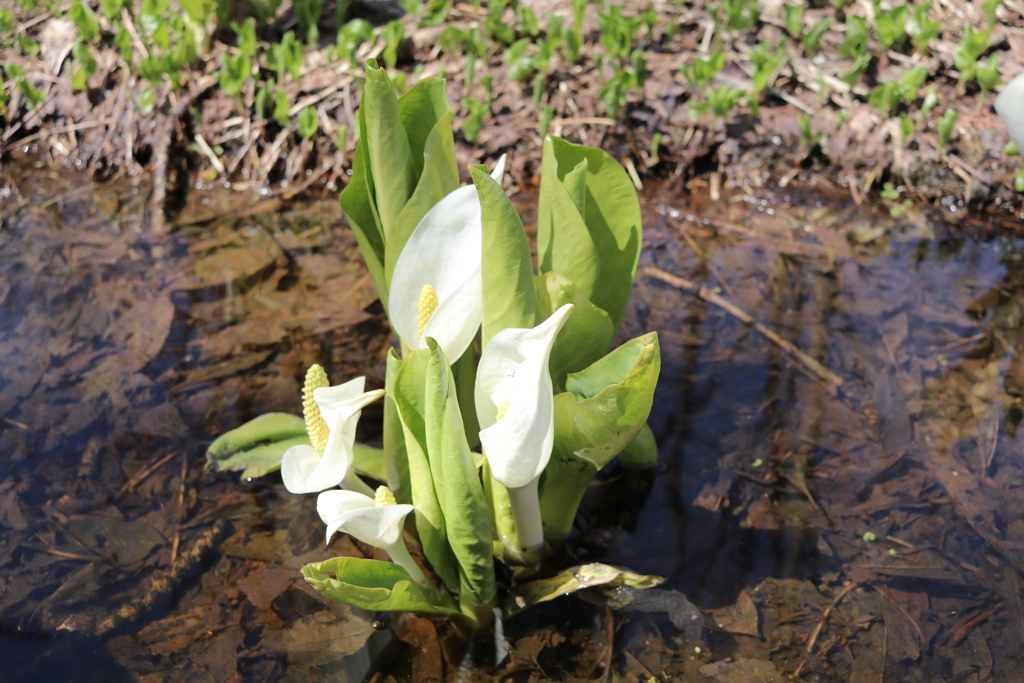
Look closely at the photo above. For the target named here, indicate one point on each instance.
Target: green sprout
(740, 15)
(282, 105)
(856, 42)
(476, 110)
(922, 29)
(351, 36)
(794, 20)
(307, 13)
(987, 75)
(287, 56)
(812, 40)
(989, 8)
(234, 72)
(308, 123)
(111, 8)
(968, 50)
(34, 95)
(394, 36)
(86, 65)
(766, 65)
(891, 26)
(702, 71)
(945, 126)
(85, 20)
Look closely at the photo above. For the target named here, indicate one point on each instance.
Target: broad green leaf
(440, 178)
(459, 491)
(509, 296)
(421, 109)
(370, 461)
(611, 215)
(358, 201)
(602, 411)
(396, 462)
(390, 156)
(587, 333)
(85, 20)
(583, 576)
(642, 451)
(570, 250)
(464, 370)
(258, 460)
(575, 183)
(411, 401)
(271, 427)
(376, 586)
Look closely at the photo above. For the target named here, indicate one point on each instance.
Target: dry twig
(831, 380)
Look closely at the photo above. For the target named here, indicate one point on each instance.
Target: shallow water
(864, 532)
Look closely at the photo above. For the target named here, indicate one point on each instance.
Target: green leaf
(587, 333)
(812, 40)
(85, 20)
(428, 126)
(268, 428)
(281, 108)
(794, 19)
(351, 36)
(370, 461)
(394, 36)
(395, 460)
(259, 460)
(358, 201)
(642, 451)
(602, 411)
(392, 167)
(27, 45)
(308, 123)
(376, 586)
(570, 250)
(583, 576)
(612, 217)
(509, 296)
(411, 401)
(234, 73)
(461, 495)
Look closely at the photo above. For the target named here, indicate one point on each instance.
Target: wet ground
(838, 490)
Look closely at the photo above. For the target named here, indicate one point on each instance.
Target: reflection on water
(868, 533)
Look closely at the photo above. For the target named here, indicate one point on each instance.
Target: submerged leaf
(583, 576)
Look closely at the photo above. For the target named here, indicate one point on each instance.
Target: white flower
(435, 290)
(375, 521)
(516, 409)
(1010, 107)
(332, 430)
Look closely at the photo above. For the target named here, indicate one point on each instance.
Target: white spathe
(306, 470)
(444, 252)
(1010, 107)
(513, 383)
(378, 525)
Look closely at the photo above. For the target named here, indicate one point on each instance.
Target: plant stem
(526, 514)
(400, 556)
(352, 482)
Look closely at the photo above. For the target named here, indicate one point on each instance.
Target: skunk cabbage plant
(493, 352)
